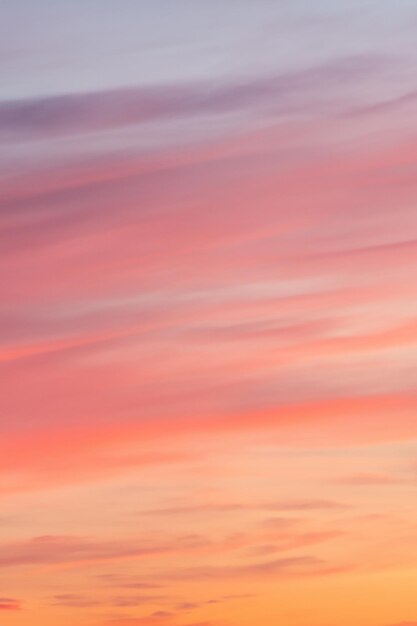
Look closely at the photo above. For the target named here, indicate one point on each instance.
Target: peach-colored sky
(208, 320)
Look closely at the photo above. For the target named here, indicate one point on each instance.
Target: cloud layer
(208, 313)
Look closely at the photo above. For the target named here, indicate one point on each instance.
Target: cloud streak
(89, 112)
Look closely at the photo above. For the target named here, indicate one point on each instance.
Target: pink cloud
(48, 456)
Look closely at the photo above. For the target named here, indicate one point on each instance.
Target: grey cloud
(81, 112)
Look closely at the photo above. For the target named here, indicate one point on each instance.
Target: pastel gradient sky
(208, 299)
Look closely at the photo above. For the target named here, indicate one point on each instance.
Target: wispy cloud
(301, 566)
(285, 93)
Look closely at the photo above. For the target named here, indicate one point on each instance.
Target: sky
(208, 313)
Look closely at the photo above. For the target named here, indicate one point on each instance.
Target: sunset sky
(208, 313)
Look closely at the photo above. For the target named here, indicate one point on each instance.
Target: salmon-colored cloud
(9, 604)
(47, 457)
